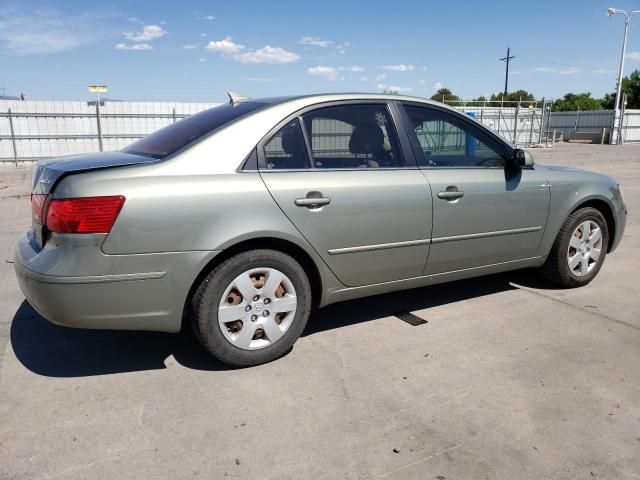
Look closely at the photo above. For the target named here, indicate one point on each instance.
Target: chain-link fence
(32, 130)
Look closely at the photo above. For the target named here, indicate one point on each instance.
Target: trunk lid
(46, 173)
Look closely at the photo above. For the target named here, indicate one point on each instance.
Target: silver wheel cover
(257, 308)
(585, 248)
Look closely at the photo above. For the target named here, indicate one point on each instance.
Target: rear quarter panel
(165, 212)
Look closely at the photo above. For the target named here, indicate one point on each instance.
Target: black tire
(556, 268)
(206, 300)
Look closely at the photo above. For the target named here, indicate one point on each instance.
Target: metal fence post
(544, 106)
(13, 138)
(623, 112)
(173, 114)
(533, 112)
(575, 127)
(99, 120)
(515, 125)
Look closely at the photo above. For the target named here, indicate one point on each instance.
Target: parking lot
(510, 378)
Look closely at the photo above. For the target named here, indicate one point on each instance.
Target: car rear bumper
(71, 282)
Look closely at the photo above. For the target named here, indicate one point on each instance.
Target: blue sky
(196, 50)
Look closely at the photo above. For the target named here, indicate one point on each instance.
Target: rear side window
(287, 149)
(353, 136)
(173, 137)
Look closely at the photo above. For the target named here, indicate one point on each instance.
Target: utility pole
(507, 59)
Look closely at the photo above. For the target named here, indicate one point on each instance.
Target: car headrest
(366, 138)
(292, 141)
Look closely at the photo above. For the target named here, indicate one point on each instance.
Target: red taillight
(83, 215)
(37, 207)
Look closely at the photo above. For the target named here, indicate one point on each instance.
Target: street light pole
(611, 12)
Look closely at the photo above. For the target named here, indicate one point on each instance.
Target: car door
(338, 173)
(483, 213)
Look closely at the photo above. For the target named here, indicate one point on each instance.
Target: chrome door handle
(312, 202)
(451, 195)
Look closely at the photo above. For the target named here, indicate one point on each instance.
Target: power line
(507, 59)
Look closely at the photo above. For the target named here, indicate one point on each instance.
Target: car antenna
(234, 98)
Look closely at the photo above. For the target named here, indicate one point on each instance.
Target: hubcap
(584, 248)
(243, 315)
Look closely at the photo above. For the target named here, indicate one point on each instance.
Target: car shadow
(54, 351)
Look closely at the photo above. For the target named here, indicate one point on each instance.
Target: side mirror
(521, 159)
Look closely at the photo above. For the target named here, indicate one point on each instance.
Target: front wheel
(579, 249)
(252, 307)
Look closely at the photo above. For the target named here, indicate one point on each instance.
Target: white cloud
(258, 79)
(135, 46)
(203, 34)
(315, 41)
(364, 79)
(202, 59)
(225, 46)
(133, 20)
(602, 71)
(352, 68)
(396, 88)
(437, 86)
(421, 82)
(268, 54)
(561, 71)
(28, 31)
(330, 73)
(190, 46)
(382, 76)
(148, 33)
(544, 70)
(209, 18)
(399, 68)
(634, 56)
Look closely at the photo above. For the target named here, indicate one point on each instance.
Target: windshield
(173, 137)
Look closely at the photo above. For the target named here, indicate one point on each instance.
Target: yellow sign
(97, 88)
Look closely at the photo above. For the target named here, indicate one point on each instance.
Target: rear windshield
(173, 137)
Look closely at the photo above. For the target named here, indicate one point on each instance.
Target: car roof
(315, 98)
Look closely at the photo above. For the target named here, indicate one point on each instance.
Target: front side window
(447, 141)
(353, 136)
(286, 149)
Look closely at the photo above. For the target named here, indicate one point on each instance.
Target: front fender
(572, 189)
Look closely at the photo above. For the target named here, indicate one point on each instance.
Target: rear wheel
(252, 307)
(579, 250)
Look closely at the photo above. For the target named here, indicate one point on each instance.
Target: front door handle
(312, 200)
(451, 194)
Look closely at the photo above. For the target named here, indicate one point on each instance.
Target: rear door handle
(312, 200)
(451, 194)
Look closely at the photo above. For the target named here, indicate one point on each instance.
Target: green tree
(477, 102)
(577, 101)
(517, 96)
(631, 87)
(446, 96)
